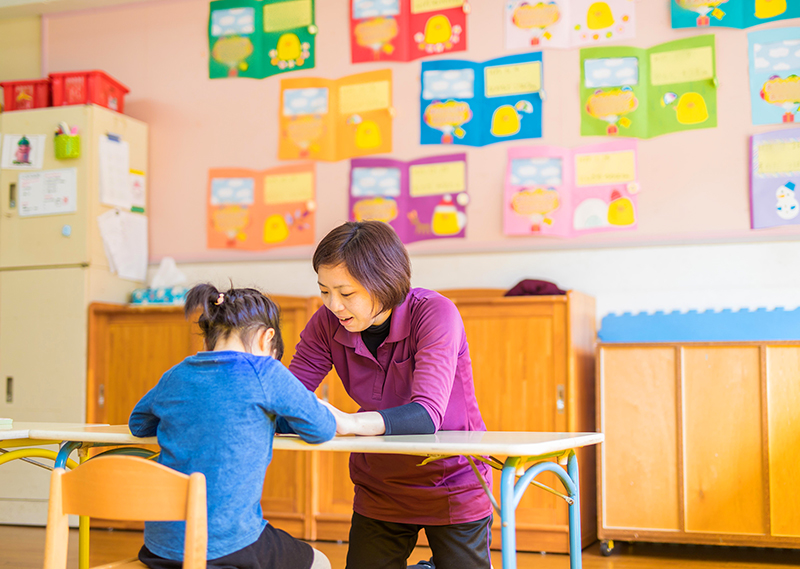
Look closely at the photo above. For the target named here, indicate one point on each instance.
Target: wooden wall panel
(640, 453)
(723, 440)
(783, 395)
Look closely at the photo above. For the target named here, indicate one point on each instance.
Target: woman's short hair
(374, 256)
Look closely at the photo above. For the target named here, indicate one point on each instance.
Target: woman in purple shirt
(402, 355)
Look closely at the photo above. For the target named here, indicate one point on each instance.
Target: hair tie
(220, 299)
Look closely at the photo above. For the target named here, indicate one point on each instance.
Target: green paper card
(252, 38)
(642, 93)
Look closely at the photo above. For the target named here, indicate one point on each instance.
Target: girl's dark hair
(243, 311)
(373, 255)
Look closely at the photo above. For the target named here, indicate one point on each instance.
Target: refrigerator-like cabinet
(51, 268)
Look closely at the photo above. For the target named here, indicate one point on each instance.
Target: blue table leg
(64, 452)
(508, 531)
(575, 560)
(511, 493)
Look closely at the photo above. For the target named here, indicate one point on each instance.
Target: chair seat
(132, 563)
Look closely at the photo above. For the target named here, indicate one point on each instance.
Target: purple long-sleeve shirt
(425, 359)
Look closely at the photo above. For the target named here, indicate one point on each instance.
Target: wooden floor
(23, 548)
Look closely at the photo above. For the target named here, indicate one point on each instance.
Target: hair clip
(220, 299)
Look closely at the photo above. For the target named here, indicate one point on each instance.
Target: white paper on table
(115, 182)
(48, 192)
(13, 158)
(125, 241)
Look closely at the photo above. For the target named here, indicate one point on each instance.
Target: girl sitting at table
(215, 413)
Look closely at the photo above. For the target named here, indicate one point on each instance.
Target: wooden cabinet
(533, 364)
(700, 443)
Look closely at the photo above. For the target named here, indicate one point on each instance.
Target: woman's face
(348, 299)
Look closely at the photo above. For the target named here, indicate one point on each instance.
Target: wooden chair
(126, 488)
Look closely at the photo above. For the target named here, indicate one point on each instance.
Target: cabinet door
(639, 413)
(33, 241)
(519, 364)
(43, 365)
(724, 475)
(129, 350)
(783, 396)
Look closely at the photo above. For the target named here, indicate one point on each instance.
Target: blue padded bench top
(707, 326)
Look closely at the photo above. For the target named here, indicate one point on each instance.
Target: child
(215, 413)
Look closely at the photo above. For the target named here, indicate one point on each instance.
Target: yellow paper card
(435, 179)
(513, 79)
(363, 97)
(288, 15)
(605, 168)
(283, 188)
(779, 158)
(418, 6)
(682, 65)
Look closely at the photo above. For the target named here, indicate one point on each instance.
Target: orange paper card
(334, 119)
(257, 210)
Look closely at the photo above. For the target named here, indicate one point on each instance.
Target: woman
(402, 355)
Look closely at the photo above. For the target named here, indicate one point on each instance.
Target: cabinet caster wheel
(606, 547)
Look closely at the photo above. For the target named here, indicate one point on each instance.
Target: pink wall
(694, 184)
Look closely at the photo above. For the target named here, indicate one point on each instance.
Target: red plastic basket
(84, 87)
(30, 94)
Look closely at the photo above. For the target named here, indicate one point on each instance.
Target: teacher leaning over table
(402, 355)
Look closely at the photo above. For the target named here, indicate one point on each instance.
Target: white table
(527, 455)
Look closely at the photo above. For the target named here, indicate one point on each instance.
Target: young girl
(215, 413)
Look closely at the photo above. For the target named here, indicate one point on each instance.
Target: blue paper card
(475, 104)
(774, 70)
(731, 13)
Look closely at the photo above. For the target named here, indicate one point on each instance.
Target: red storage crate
(84, 87)
(30, 94)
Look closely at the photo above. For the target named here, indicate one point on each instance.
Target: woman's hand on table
(367, 423)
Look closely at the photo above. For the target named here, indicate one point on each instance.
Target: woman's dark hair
(373, 255)
(243, 311)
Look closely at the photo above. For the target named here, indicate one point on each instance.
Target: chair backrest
(126, 488)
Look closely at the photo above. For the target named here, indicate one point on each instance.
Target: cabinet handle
(12, 196)
(560, 404)
(101, 395)
(325, 393)
(9, 389)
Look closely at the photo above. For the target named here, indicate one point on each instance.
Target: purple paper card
(774, 178)
(421, 199)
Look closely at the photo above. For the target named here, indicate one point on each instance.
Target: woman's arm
(366, 423)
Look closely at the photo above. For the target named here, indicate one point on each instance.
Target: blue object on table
(708, 326)
(161, 295)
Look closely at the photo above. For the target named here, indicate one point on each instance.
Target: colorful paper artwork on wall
(421, 199)
(475, 104)
(731, 13)
(566, 193)
(259, 210)
(644, 93)
(333, 119)
(403, 30)
(774, 70)
(538, 24)
(260, 38)
(774, 179)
